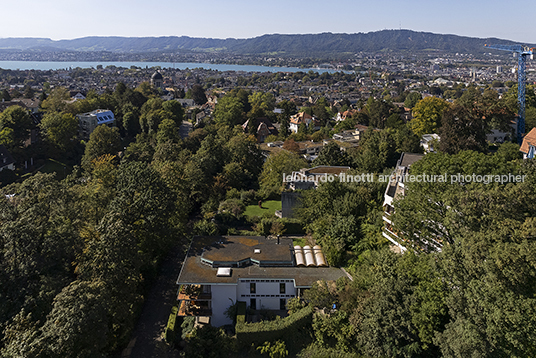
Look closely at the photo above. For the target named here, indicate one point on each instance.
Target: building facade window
(252, 287)
(281, 288)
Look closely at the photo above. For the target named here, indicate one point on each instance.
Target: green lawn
(59, 168)
(268, 207)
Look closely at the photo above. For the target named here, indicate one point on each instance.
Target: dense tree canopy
(15, 125)
(103, 140)
(78, 253)
(427, 114)
(59, 129)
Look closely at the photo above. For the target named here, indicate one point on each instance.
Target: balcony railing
(189, 308)
(194, 293)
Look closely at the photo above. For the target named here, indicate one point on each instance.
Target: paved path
(146, 340)
(185, 128)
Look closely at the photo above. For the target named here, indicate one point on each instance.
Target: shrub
(170, 328)
(281, 329)
(241, 312)
(248, 197)
(187, 326)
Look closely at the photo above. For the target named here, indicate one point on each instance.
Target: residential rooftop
(407, 159)
(528, 140)
(275, 261)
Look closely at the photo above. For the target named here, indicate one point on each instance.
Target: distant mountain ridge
(275, 44)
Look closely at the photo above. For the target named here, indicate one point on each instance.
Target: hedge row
(170, 328)
(260, 332)
(241, 312)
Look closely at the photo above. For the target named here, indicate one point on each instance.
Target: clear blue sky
(68, 19)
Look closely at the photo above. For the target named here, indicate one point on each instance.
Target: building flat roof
(231, 249)
(406, 159)
(195, 272)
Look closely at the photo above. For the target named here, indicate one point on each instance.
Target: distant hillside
(292, 45)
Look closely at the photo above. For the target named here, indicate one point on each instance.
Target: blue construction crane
(522, 53)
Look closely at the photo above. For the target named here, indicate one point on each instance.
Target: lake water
(51, 65)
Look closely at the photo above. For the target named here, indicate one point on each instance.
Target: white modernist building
(395, 190)
(264, 273)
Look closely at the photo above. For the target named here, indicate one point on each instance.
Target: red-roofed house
(345, 115)
(263, 127)
(528, 147)
(302, 118)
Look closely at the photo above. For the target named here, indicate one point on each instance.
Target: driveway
(146, 340)
(185, 128)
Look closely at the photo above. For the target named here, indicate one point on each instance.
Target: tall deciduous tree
(197, 93)
(230, 111)
(58, 129)
(175, 110)
(378, 111)
(462, 129)
(332, 155)
(15, 124)
(271, 177)
(103, 140)
(411, 99)
(77, 326)
(57, 100)
(427, 115)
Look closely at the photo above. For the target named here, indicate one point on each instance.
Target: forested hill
(292, 45)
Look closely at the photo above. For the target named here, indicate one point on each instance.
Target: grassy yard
(52, 165)
(268, 207)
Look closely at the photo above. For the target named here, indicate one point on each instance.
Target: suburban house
(309, 149)
(501, 136)
(350, 136)
(405, 112)
(186, 102)
(497, 136)
(263, 128)
(305, 178)
(528, 147)
(342, 116)
(429, 142)
(6, 160)
(30, 104)
(77, 96)
(395, 190)
(90, 120)
(302, 118)
(220, 271)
